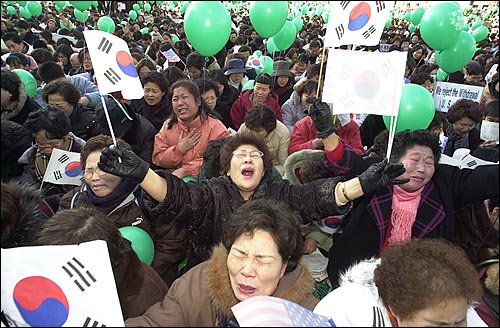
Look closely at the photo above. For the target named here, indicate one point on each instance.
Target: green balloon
(145, 30)
(411, 28)
(416, 109)
(175, 38)
(136, 7)
(441, 75)
(388, 23)
(25, 12)
(35, 8)
(268, 17)
(95, 4)
(106, 24)
(441, 25)
(268, 63)
(297, 21)
(466, 27)
(141, 242)
(407, 16)
(271, 46)
(207, 25)
(147, 7)
(184, 8)
(60, 4)
(188, 178)
(456, 57)
(257, 53)
(478, 22)
(81, 5)
(11, 10)
(81, 16)
(285, 36)
(132, 14)
(28, 80)
(21, 3)
(249, 85)
(416, 15)
(480, 33)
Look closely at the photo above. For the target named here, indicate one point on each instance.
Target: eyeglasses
(88, 173)
(44, 145)
(242, 153)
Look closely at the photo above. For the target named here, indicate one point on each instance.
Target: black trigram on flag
(76, 270)
(369, 31)
(340, 31)
(111, 75)
(345, 72)
(88, 323)
(58, 175)
(471, 163)
(63, 158)
(380, 5)
(344, 4)
(105, 45)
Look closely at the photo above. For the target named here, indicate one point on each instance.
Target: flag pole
(321, 70)
(109, 124)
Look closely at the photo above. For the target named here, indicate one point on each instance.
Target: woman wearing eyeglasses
(203, 207)
(118, 198)
(50, 128)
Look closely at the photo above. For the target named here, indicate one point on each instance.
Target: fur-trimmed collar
(295, 286)
(361, 273)
(294, 161)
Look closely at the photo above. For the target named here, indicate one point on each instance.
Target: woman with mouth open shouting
(203, 208)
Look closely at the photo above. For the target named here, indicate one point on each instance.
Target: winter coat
(156, 114)
(203, 207)
(82, 121)
(138, 285)
(15, 141)
(141, 137)
(224, 104)
(18, 111)
(243, 104)
(292, 111)
(166, 153)
(277, 142)
(202, 296)
(304, 132)
(449, 189)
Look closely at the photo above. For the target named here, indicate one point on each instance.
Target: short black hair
(52, 119)
(11, 83)
(64, 88)
(261, 116)
(50, 71)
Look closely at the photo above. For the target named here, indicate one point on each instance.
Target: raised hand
(322, 117)
(381, 174)
(123, 163)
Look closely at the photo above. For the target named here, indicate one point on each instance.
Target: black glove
(322, 117)
(131, 166)
(381, 174)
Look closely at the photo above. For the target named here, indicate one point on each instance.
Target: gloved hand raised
(322, 117)
(381, 174)
(131, 166)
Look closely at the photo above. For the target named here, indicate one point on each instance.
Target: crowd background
(202, 86)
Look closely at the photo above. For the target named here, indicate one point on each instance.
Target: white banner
(113, 65)
(364, 82)
(64, 168)
(60, 286)
(356, 22)
(447, 93)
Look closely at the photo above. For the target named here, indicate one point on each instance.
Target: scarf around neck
(456, 140)
(110, 202)
(404, 212)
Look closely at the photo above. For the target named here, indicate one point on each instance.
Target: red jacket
(243, 104)
(304, 132)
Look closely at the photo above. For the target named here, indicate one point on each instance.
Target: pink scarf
(404, 212)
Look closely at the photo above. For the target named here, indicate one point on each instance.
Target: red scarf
(404, 212)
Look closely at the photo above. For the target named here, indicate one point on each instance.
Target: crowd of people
(238, 175)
